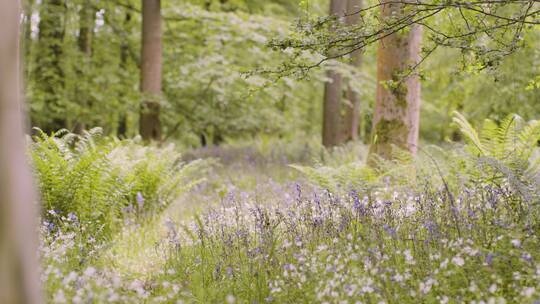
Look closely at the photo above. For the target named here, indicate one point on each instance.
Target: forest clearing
(270, 151)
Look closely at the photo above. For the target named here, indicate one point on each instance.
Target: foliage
(208, 89)
(492, 93)
(208, 52)
(255, 236)
(484, 31)
(281, 219)
(322, 248)
(505, 150)
(99, 182)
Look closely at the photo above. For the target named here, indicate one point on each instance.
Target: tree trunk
(19, 281)
(149, 124)
(341, 119)
(124, 54)
(49, 72)
(28, 6)
(352, 113)
(87, 19)
(397, 106)
(332, 135)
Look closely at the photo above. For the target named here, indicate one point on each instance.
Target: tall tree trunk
(124, 54)
(49, 72)
(19, 281)
(149, 124)
(28, 7)
(87, 19)
(352, 113)
(341, 119)
(333, 93)
(397, 105)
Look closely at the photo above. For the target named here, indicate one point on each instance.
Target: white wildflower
(72, 276)
(59, 297)
(409, 259)
(90, 271)
(528, 292)
(367, 289)
(458, 261)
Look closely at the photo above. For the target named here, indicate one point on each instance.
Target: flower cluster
(308, 245)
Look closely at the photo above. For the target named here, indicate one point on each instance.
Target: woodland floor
(236, 170)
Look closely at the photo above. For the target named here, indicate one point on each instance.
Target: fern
(353, 175)
(512, 141)
(101, 181)
(476, 144)
(506, 149)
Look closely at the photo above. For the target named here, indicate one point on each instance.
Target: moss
(389, 133)
(388, 130)
(399, 90)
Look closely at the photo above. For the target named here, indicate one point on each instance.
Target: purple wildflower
(140, 201)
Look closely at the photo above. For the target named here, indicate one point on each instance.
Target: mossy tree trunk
(28, 7)
(19, 281)
(124, 54)
(149, 123)
(49, 72)
(87, 19)
(397, 106)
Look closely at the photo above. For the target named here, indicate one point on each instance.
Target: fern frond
(470, 133)
(489, 136)
(528, 139)
(507, 137)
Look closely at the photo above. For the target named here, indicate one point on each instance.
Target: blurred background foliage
(210, 96)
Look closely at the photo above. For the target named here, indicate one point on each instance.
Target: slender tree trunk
(49, 72)
(397, 106)
(149, 124)
(28, 6)
(87, 19)
(352, 113)
(333, 93)
(19, 283)
(124, 54)
(341, 119)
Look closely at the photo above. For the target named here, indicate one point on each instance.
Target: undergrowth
(100, 182)
(456, 224)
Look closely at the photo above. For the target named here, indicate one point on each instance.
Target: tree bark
(352, 112)
(397, 106)
(28, 7)
(49, 72)
(124, 54)
(149, 124)
(341, 119)
(19, 281)
(87, 19)
(332, 135)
